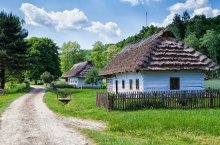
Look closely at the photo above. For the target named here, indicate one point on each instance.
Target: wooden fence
(159, 99)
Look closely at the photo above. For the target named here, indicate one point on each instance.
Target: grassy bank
(200, 126)
(13, 93)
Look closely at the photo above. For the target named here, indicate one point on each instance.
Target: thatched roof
(79, 70)
(159, 52)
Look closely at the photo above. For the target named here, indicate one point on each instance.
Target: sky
(108, 21)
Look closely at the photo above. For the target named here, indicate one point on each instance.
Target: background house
(77, 74)
(157, 63)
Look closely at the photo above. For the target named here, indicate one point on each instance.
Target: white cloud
(108, 30)
(197, 7)
(188, 5)
(208, 11)
(67, 19)
(137, 2)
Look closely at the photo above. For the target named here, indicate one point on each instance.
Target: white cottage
(77, 74)
(157, 63)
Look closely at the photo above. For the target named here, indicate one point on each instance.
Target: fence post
(211, 99)
(110, 101)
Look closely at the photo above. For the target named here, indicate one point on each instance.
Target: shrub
(47, 77)
(61, 85)
(17, 89)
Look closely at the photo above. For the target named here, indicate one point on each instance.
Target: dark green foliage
(47, 77)
(177, 27)
(192, 41)
(143, 33)
(13, 48)
(43, 56)
(92, 76)
(185, 17)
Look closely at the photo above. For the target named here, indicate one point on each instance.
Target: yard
(148, 126)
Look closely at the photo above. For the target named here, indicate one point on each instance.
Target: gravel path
(28, 121)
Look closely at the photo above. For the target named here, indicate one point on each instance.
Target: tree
(47, 77)
(177, 27)
(71, 54)
(92, 76)
(43, 56)
(143, 33)
(111, 51)
(211, 41)
(13, 58)
(97, 54)
(185, 17)
(192, 41)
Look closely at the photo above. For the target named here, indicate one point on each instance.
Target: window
(130, 82)
(174, 83)
(137, 84)
(123, 84)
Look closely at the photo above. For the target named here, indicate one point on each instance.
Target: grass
(13, 93)
(215, 84)
(201, 126)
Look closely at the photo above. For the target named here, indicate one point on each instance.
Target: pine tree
(185, 17)
(177, 27)
(13, 59)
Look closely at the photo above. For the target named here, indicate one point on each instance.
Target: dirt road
(28, 121)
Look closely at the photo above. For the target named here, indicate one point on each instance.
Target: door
(116, 86)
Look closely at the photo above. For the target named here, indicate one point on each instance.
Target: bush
(17, 89)
(64, 86)
(47, 77)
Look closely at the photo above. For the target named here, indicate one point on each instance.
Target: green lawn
(215, 84)
(200, 126)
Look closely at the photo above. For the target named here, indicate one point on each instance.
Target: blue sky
(109, 21)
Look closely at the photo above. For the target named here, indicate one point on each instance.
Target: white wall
(126, 77)
(158, 81)
(79, 82)
(73, 81)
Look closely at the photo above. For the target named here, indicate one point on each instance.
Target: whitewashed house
(77, 74)
(157, 63)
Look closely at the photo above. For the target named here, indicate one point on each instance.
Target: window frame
(130, 84)
(123, 84)
(137, 84)
(174, 83)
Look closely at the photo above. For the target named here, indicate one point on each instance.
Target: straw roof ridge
(79, 70)
(161, 51)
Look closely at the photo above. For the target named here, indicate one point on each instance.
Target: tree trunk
(35, 82)
(2, 78)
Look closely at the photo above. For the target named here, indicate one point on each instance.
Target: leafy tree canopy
(192, 41)
(71, 54)
(92, 76)
(43, 55)
(47, 77)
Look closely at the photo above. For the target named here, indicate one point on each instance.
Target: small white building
(157, 63)
(77, 74)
